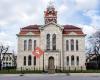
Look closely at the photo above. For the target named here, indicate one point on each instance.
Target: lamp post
(43, 62)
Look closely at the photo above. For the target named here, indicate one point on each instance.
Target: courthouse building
(63, 45)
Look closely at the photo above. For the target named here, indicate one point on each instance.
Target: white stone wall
(59, 55)
(22, 53)
(52, 29)
(75, 53)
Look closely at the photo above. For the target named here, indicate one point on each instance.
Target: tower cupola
(50, 15)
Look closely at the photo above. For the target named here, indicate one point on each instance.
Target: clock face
(50, 12)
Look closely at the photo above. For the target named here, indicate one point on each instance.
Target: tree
(94, 41)
(3, 49)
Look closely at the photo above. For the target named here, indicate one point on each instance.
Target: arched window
(25, 45)
(29, 60)
(6, 58)
(72, 44)
(77, 60)
(34, 60)
(48, 42)
(67, 45)
(76, 45)
(34, 44)
(30, 44)
(67, 60)
(24, 61)
(72, 60)
(54, 41)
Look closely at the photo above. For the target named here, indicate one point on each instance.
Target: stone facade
(59, 55)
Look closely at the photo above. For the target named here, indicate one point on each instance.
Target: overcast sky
(15, 14)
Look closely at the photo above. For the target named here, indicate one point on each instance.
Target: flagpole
(43, 62)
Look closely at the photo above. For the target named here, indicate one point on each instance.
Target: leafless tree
(94, 40)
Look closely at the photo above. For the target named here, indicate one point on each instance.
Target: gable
(29, 33)
(52, 25)
(72, 33)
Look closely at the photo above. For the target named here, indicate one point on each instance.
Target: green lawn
(14, 71)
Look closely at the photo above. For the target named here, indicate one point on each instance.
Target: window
(67, 45)
(24, 60)
(34, 44)
(9, 64)
(67, 60)
(48, 42)
(54, 41)
(30, 44)
(77, 60)
(72, 44)
(29, 60)
(34, 60)
(4, 64)
(76, 45)
(6, 58)
(25, 45)
(72, 60)
(10, 58)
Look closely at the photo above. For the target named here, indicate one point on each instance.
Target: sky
(15, 14)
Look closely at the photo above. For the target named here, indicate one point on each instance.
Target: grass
(14, 71)
(80, 71)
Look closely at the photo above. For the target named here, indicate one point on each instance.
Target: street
(47, 77)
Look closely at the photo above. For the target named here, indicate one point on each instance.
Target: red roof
(31, 28)
(71, 28)
(35, 29)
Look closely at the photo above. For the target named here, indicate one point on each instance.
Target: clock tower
(50, 15)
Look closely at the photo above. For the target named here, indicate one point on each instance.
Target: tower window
(54, 41)
(48, 42)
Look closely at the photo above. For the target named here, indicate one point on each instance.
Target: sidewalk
(56, 74)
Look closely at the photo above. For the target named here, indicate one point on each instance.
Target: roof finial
(51, 3)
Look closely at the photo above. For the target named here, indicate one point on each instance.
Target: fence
(57, 70)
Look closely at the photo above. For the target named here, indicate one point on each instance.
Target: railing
(57, 70)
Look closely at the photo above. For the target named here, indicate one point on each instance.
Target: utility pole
(43, 62)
